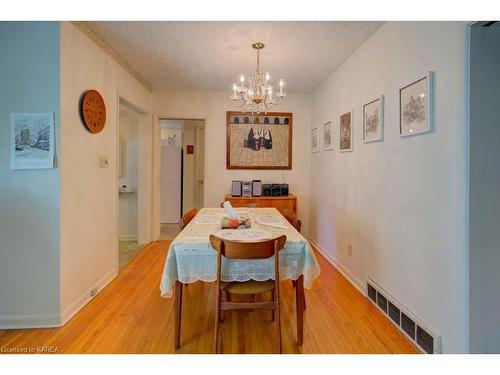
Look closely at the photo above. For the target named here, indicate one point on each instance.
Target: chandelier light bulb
(242, 78)
(234, 97)
(267, 77)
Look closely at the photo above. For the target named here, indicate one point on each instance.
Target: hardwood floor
(129, 316)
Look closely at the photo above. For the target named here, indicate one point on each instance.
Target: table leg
(299, 307)
(177, 313)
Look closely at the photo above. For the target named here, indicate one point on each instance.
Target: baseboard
(127, 237)
(29, 321)
(81, 301)
(357, 283)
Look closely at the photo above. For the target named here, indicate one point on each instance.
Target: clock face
(93, 111)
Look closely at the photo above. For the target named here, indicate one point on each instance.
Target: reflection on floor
(127, 250)
(169, 231)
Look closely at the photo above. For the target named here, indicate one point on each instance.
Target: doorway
(182, 161)
(128, 183)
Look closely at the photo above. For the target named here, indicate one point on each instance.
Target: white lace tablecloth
(191, 258)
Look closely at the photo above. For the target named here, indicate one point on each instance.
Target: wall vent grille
(413, 328)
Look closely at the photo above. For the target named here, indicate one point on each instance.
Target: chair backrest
(247, 250)
(292, 219)
(187, 217)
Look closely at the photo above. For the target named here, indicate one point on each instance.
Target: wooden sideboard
(278, 202)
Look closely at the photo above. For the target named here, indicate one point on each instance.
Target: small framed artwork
(373, 120)
(345, 132)
(415, 101)
(328, 136)
(32, 140)
(314, 140)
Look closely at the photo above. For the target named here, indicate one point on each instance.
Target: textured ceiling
(211, 55)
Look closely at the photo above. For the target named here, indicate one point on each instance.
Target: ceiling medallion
(257, 94)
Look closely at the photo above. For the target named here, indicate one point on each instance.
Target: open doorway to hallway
(181, 171)
(128, 184)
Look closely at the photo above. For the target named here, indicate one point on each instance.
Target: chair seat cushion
(247, 287)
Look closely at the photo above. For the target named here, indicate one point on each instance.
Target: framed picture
(415, 107)
(32, 140)
(373, 120)
(345, 132)
(259, 140)
(314, 140)
(328, 136)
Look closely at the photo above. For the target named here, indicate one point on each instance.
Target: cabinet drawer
(280, 204)
(245, 202)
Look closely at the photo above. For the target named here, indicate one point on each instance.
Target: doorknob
(200, 182)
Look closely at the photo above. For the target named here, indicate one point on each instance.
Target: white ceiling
(211, 55)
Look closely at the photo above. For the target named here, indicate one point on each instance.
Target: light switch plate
(103, 162)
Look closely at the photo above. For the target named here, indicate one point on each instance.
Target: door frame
(156, 165)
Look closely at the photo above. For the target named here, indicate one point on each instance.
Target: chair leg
(224, 298)
(217, 317)
(272, 311)
(304, 299)
(278, 326)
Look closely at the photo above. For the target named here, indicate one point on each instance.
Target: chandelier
(257, 94)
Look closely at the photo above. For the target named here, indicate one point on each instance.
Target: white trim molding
(357, 283)
(127, 237)
(81, 301)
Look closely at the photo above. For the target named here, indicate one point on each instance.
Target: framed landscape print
(32, 140)
(314, 140)
(415, 110)
(345, 132)
(259, 140)
(328, 136)
(373, 120)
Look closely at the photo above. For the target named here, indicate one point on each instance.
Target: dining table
(191, 258)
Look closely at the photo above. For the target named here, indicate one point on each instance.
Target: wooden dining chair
(297, 224)
(292, 219)
(248, 250)
(187, 217)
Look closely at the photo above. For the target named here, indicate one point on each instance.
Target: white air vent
(418, 332)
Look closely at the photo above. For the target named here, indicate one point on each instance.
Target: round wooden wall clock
(93, 111)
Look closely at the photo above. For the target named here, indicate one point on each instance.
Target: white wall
(29, 199)
(484, 202)
(212, 107)
(401, 203)
(88, 194)
(127, 203)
